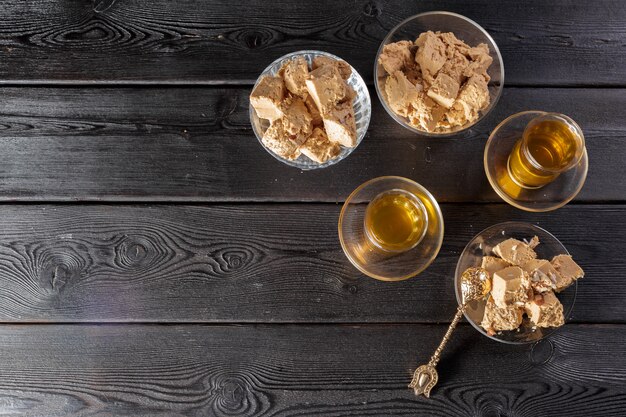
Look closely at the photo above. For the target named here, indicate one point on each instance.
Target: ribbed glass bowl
(362, 111)
(463, 28)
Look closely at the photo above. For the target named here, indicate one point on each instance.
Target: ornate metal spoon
(475, 284)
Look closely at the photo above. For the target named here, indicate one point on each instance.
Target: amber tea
(395, 221)
(548, 147)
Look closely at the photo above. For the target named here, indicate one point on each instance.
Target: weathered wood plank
(259, 263)
(188, 144)
(304, 370)
(557, 43)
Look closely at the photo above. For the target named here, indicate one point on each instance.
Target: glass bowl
(549, 197)
(362, 110)
(466, 30)
(481, 245)
(363, 252)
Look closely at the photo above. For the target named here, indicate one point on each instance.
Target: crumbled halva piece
(345, 70)
(456, 67)
(510, 286)
(514, 251)
(267, 96)
(497, 318)
(473, 97)
(533, 243)
(326, 87)
(316, 117)
(396, 56)
(319, 148)
(492, 264)
(480, 61)
(568, 271)
(279, 141)
(401, 93)
(340, 124)
(444, 90)
(414, 75)
(453, 44)
(545, 310)
(296, 117)
(426, 113)
(295, 73)
(543, 276)
(430, 54)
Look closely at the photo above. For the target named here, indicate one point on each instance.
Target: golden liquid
(551, 144)
(395, 221)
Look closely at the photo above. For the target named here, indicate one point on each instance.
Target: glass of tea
(536, 161)
(550, 145)
(391, 228)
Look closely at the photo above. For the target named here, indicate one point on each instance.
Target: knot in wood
(59, 263)
(233, 395)
(371, 10)
(236, 259)
(491, 410)
(232, 259)
(255, 39)
(226, 106)
(57, 275)
(135, 251)
(92, 32)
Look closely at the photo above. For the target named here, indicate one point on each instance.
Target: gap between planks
(237, 84)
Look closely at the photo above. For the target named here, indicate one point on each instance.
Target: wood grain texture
(568, 42)
(196, 144)
(304, 371)
(259, 263)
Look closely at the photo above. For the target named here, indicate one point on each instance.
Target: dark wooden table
(156, 261)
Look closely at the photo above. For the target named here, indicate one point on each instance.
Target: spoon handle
(434, 360)
(425, 377)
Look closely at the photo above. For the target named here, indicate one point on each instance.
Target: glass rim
(415, 201)
(579, 152)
